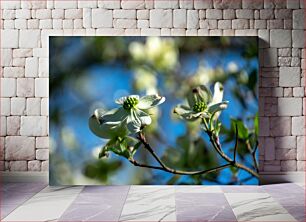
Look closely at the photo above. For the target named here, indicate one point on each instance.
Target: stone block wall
(26, 25)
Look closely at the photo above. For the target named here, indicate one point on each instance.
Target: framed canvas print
(153, 110)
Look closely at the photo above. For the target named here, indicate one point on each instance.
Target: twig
(253, 153)
(143, 140)
(164, 167)
(135, 163)
(179, 172)
(216, 144)
(254, 157)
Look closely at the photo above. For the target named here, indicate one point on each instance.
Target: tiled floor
(39, 202)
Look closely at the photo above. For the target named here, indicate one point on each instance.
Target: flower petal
(186, 113)
(212, 108)
(149, 101)
(133, 122)
(107, 131)
(99, 112)
(199, 94)
(144, 118)
(121, 100)
(204, 114)
(218, 93)
(182, 110)
(114, 116)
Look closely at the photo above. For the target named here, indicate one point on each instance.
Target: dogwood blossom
(202, 104)
(128, 119)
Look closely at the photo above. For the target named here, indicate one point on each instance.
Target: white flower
(104, 129)
(201, 103)
(129, 118)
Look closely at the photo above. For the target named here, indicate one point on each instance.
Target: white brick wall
(24, 64)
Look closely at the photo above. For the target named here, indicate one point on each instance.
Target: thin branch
(179, 172)
(254, 157)
(143, 140)
(216, 144)
(135, 163)
(253, 153)
(236, 143)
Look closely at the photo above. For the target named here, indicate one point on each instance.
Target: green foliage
(247, 138)
(243, 132)
(101, 170)
(125, 147)
(191, 153)
(256, 125)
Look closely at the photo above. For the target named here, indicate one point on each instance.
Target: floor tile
(149, 203)
(6, 210)
(291, 199)
(203, 207)
(15, 194)
(47, 205)
(298, 212)
(242, 189)
(89, 212)
(257, 207)
(14, 198)
(197, 189)
(97, 204)
(22, 187)
(283, 188)
(91, 198)
(301, 185)
(282, 202)
(106, 189)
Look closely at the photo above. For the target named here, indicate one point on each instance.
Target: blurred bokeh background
(91, 72)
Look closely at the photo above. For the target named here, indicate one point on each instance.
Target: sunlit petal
(133, 122)
(108, 130)
(186, 113)
(218, 93)
(144, 118)
(121, 100)
(150, 101)
(216, 109)
(114, 116)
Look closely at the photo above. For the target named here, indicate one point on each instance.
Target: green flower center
(130, 103)
(199, 107)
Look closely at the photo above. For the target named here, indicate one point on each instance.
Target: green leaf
(217, 127)
(135, 148)
(234, 170)
(103, 152)
(243, 132)
(256, 125)
(101, 170)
